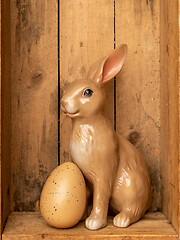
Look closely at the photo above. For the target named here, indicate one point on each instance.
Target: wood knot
(81, 44)
(37, 77)
(134, 137)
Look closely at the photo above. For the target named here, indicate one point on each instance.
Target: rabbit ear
(106, 68)
(95, 71)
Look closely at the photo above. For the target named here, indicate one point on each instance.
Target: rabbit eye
(88, 93)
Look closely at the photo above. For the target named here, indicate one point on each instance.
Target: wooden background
(54, 42)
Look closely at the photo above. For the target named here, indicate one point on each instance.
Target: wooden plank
(169, 109)
(1, 225)
(5, 112)
(31, 226)
(138, 84)
(86, 34)
(0, 128)
(34, 98)
(179, 118)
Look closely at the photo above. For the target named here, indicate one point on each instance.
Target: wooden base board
(28, 225)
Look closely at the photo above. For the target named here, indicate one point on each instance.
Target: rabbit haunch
(114, 167)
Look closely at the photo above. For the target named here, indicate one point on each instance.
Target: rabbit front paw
(95, 221)
(122, 220)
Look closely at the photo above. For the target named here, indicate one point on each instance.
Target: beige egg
(63, 198)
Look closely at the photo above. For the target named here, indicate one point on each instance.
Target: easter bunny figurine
(112, 166)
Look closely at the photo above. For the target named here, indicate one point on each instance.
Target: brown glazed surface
(114, 169)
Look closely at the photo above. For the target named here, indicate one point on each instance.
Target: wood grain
(86, 34)
(169, 109)
(0, 128)
(31, 226)
(5, 112)
(179, 121)
(34, 99)
(138, 84)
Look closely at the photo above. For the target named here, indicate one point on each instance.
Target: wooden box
(45, 44)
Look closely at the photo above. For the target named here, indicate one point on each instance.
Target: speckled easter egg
(63, 198)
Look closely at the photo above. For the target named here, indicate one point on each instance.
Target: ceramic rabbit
(111, 164)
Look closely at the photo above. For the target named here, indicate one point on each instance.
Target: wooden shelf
(28, 225)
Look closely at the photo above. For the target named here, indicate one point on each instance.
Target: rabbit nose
(63, 108)
(62, 101)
